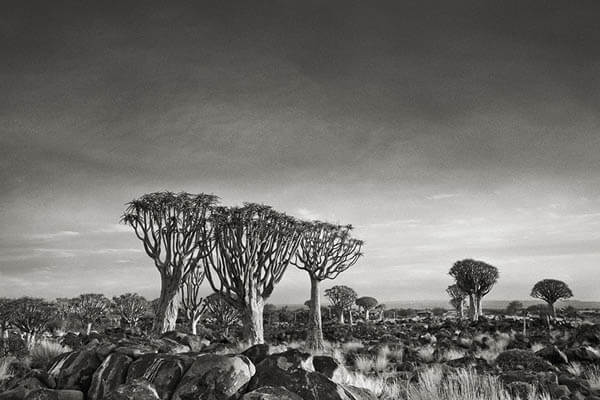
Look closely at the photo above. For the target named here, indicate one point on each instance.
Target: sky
(441, 130)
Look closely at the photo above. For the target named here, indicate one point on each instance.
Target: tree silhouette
(457, 299)
(514, 307)
(171, 227)
(476, 278)
(90, 308)
(253, 247)
(191, 301)
(325, 251)
(6, 310)
(551, 290)
(367, 304)
(31, 316)
(221, 312)
(341, 298)
(130, 307)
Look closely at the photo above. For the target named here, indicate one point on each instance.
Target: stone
(75, 370)
(215, 377)
(136, 390)
(164, 371)
(53, 394)
(327, 366)
(553, 355)
(516, 359)
(110, 375)
(257, 353)
(271, 393)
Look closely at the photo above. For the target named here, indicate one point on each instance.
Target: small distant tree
(131, 308)
(191, 301)
(253, 248)
(31, 316)
(269, 311)
(325, 251)
(341, 298)
(476, 278)
(438, 311)
(551, 290)
(6, 310)
(90, 309)
(457, 299)
(172, 228)
(222, 314)
(514, 307)
(367, 304)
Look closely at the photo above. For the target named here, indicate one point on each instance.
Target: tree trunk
(341, 317)
(168, 307)
(479, 307)
(88, 329)
(314, 337)
(30, 340)
(350, 317)
(195, 325)
(461, 310)
(473, 308)
(366, 315)
(552, 310)
(253, 321)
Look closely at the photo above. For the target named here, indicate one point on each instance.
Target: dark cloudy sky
(441, 129)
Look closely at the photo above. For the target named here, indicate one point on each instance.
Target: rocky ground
(118, 366)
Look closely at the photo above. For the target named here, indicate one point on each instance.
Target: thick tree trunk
(552, 310)
(195, 325)
(30, 340)
(350, 320)
(461, 310)
(473, 308)
(341, 317)
(88, 328)
(168, 307)
(253, 321)
(479, 307)
(314, 337)
(366, 315)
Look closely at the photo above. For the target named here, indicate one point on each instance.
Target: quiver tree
(551, 290)
(514, 307)
(171, 227)
(31, 316)
(130, 307)
(457, 299)
(341, 298)
(325, 251)
(6, 306)
(367, 304)
(90, 309)
(253, 246)
(191, 301)
(222, 314)
(476, 278)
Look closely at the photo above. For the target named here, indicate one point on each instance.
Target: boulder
(271, 393)
(553, 354)
(584, 353)
(257, 353)
(136, 390)
(111, 373)
(164, 371)
(291, 370)
(516, 359)
(74, 370)
(588, 334)
(136, 351)
(53, 394)
(193, 342)
(327, 366)
(215, 377)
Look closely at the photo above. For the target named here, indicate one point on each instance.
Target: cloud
(442, 196)
(308, 214)
(53, 236)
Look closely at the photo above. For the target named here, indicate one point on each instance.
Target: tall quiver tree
(131, 308)
(325, 251)
(90, 308)
(476, 278)
(551, 290)
(342, 298)
(367, 304)
(6, 309)
(192, 303)
(171, 227)
(253, 246)
(457, 299)
(31, 316)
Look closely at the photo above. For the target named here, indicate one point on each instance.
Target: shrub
(364, 363)
(6, 371)
(45, 351)
(426, 353)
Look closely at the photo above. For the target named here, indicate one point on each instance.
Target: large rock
(109, 376)
(135, 390)
(293, 371)
(328, 366)
(215, 377)
(193, 342)
(52, 394)
(553, 354)
(257, 353)
(516, 359)
(164, 371)
(271, 393)
(74, 370)
(584, 353)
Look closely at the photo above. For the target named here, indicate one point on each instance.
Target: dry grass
(5, 369)
(381, 360)
(537, 347)
(453, 354)
(495, 346)
(364, 363)
(352, 346)
(593, 377)
(425, 353)
(44, 351)
(575, 369)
